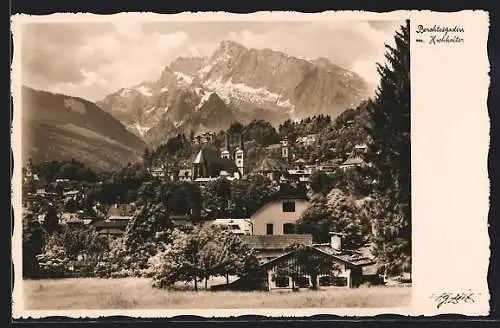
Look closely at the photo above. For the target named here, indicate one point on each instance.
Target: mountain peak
(228, 44)
(321, 61)
(228, 49)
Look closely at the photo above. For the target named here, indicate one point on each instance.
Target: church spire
(241, 143)
(226, 142)
(225, 154)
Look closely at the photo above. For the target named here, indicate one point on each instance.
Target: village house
(203, 138)
(271, 168)
(356, 157)
(185, 175)
(66, 217)
(307, 140)
(71, 194)
(111, 229)
(157, 172)
(180, 221)
(40, 188)
(299, 175)
(345, 269)
(329, 166)
(242, 227)
(116, 221)
(279, 216)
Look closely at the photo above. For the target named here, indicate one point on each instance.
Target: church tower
(239, 156)
(285, 150)
(225, 154)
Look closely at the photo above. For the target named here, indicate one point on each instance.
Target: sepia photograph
(211, 164)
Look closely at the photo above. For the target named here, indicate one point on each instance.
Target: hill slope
(56, 127)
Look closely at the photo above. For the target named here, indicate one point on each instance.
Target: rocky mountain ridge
(202, 94)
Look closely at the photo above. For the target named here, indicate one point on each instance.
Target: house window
(288, 228)
(288, 206)
(282, 281)
(269, 229)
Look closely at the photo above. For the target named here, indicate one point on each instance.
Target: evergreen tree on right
(390, 155)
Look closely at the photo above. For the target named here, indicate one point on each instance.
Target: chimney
(336, 241)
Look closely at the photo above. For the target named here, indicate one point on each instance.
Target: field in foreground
(137, 293)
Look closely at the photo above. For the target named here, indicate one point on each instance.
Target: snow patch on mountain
(229, 91)
(205, 69)
(152, 109)
(178, 123)
(199, 91)
(138, 128)
(203, 100)
(183, 77)
(349, 75)
(285, 103)
(125, 93)
(144, 90)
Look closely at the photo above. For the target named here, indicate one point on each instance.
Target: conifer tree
(390, 155)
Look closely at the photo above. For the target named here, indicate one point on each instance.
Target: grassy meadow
(137, 293)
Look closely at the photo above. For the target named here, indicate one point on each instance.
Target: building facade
(279, 216)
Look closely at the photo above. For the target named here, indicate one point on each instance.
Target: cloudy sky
(91, 60)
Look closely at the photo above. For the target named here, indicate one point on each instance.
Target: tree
(262, 132)
(150, 220)
(32, 246)
(51, 222)
(60, 249)
(390, 153)
(217, 196)
(316, 220)
(335, 212)
(235, 128)
(236, 255)
(202, 253)
(320, 182)
(247, 196)
(346, 219)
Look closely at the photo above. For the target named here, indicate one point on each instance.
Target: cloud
(354, 45)
(94, 59)
(96, 64)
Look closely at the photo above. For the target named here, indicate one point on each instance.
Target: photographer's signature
(453, 298)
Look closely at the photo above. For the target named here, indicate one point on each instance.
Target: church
(210, 163)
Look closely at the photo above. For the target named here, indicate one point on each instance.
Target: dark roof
(210, 155)
(353, 161)
(74, 221)
(287, 191)
(207, 154)
(107, 224)
(228, 165)
(260, 242)
(178, 216)
(270, 164)
(111, 231)
(349, 258)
